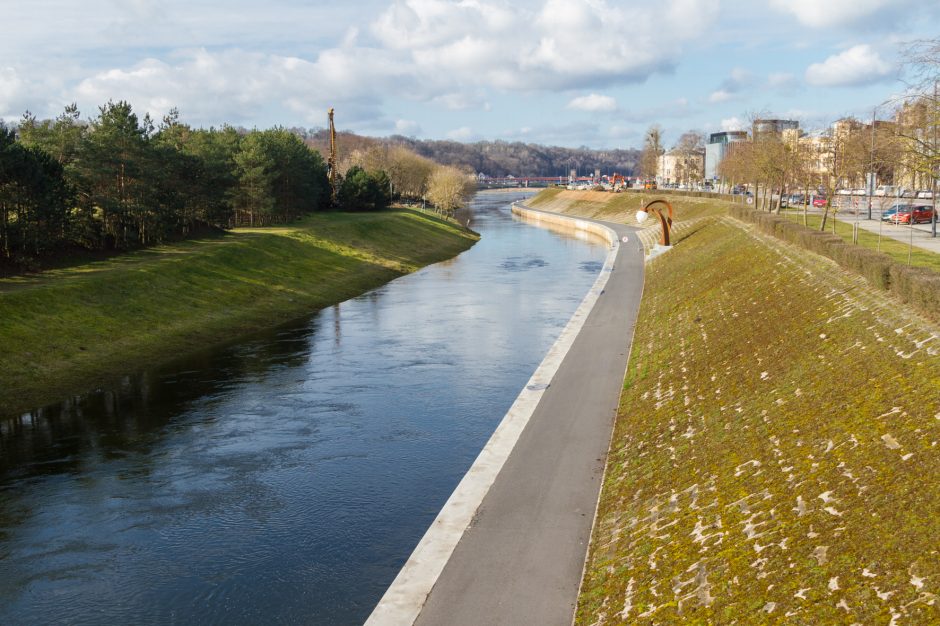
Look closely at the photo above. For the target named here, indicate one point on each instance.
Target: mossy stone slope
(777, 452)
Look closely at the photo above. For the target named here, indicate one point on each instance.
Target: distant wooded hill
(493, 158)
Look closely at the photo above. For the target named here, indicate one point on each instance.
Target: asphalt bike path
(520, 559)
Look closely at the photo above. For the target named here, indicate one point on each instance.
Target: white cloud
(819, 14)
(720, 96)
(449, 53)
(559, 44)
(409, 128)
(738, 80)
(859, 65)
(593, 103)
(459, 101)
(37, 91)
(733, 123)
(463, 133)
(237, 86)
(11, 88)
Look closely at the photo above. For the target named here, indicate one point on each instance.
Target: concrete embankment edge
(404, 599)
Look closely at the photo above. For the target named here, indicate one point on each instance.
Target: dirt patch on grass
(777, 450)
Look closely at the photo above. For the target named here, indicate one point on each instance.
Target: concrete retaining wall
(567, 223)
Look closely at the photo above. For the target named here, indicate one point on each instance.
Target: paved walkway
(920, 235)
(521, 558)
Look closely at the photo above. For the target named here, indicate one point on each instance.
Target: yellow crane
(331, 162)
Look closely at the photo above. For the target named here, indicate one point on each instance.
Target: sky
(593, 73)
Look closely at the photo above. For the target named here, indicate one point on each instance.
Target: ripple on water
(522, 263)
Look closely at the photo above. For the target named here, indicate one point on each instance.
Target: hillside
(68, 330)
(775, 456)
(494, 158)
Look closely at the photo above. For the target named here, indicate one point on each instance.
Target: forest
(118, 182)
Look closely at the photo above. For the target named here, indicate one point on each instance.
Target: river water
(284, 478)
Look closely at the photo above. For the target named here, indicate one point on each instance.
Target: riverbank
(73, 329)
(775, 450)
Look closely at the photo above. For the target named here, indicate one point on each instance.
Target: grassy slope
(620, 207)
(776, 457)
(71, 329)
(897, 250)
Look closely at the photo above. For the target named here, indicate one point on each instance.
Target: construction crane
(331, 162)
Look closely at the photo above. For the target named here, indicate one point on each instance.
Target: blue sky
(564, 72)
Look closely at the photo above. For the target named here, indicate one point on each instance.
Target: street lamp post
(871, 162)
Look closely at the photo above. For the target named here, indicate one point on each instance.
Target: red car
(819, 201)
(923, 214)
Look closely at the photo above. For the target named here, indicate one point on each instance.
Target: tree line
(496, 158)
(117, 182)
(412, 177)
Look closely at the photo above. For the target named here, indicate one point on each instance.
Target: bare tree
(652, 150)
(919, 118)
(449, 188)
(690, 150)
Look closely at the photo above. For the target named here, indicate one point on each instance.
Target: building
(774, 127)
(677, 167)
(718, 147)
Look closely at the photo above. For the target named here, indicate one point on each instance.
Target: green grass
(777, 449)
(72, 329)
(897, 250)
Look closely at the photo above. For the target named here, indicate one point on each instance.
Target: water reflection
(285, 477)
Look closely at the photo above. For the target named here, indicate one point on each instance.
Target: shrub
(919, 287)
(364, 191)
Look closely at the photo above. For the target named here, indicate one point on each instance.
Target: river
(286, 477)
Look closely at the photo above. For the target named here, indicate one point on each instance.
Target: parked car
(925, 214)
(888, 215)
(844, 192)
(792, 200)
(819, 201)
(925, 194)
(922, 214)
(907, 193)
(885, 190)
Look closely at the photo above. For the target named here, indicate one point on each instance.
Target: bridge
(499, 182)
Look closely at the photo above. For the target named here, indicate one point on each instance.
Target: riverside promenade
(509, 545)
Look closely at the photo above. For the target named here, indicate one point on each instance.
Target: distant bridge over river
(497, 182)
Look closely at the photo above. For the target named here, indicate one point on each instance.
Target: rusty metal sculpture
(665, 220)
